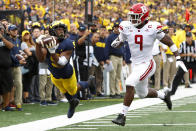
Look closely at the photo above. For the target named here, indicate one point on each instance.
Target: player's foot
(92, 84)
(72, 106)
(120, 120)
(167, 100)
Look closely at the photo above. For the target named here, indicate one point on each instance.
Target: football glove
(52, 46)
(180, 63)
(116, 43)
(39, 40)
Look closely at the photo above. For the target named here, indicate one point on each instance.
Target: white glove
(39, 40)
(116, 42)
(52, 46)
(180, 63)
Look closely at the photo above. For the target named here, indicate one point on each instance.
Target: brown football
(49, 39)
(19, 56)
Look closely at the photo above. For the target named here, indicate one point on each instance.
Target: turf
(34, 112)
(163, 117)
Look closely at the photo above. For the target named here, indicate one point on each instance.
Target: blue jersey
(66, 71)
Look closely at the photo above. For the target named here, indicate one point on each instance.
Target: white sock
(125, 110)
(166, 89)
(161, 94)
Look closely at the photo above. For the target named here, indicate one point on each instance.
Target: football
(48, 39)
(19, 57)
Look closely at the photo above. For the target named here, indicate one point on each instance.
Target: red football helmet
(138, 14)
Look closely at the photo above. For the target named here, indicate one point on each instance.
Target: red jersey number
(139, 40)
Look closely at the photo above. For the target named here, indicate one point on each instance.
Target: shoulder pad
(156, 26)
(124, 26)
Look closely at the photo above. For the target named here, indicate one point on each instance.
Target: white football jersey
(140, 40)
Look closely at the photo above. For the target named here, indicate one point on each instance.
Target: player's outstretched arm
(41, 52)
(117, 43)
(168, 41)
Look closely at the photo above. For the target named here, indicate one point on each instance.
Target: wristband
(178, 57)
(173, 48)
(62, 61)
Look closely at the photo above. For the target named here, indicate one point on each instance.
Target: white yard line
(60, 121)
(60, 129)
(160, 124)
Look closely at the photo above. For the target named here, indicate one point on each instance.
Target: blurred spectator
(81, 52)
(115, 56)
(28, 46)
(5, 69)
(16, 71)
(73, 32)
(157, 58)
(99, 43)
(169, 66)
(188, 54)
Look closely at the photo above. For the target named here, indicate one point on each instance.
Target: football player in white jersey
(141, 34)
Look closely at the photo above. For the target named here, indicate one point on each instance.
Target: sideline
(62, 120)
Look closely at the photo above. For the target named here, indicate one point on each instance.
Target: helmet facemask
(61, 36)
(135, 18)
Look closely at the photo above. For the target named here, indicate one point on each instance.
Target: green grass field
(34, 112)
(153, 118)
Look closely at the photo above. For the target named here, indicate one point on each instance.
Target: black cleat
(92, 84)
(72, 106)
(120, 120)
(167, 100)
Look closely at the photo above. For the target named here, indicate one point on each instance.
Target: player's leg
(90, 84)
(177, 80)
(128, 98)
(144, 92)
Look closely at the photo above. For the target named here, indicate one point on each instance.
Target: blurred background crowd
(32, 79)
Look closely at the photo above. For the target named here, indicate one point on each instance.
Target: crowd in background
(32, 79)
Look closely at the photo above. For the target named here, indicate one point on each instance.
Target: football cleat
(167, 100)
(120, 120)
(72, 106)
(92, 84)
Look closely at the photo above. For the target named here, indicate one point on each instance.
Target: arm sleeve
(159, 32)
(122, 31)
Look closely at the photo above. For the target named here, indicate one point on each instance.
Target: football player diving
(58, 55)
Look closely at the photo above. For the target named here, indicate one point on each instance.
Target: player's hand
(116, 43)
(180, 63)
(39, 40)
(52, 46)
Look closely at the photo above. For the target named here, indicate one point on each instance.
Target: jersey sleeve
(123, 30)
(158, 30)
(69, 45)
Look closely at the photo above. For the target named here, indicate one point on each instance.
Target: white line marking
(62, 120)
(109, 119)
(88, 122)
(162, 124)
(137, 114)
(76, 129)
(182, 111)
(133, 116)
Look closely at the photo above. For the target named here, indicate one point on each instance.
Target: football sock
(125, 110)
(69, 97)
(83, 84)
(160, 94)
